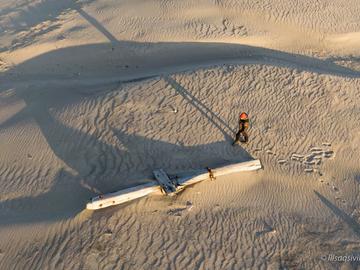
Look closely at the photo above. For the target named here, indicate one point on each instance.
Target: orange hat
(243, 116)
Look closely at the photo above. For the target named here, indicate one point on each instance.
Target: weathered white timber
(153, 187)
(251, 165)
(123, 196)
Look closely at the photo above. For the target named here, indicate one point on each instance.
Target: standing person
(241, 135)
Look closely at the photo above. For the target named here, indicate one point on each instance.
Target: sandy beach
(96, 94)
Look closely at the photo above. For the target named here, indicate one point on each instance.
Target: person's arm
(241, 126)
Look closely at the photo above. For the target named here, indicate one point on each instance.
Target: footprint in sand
(314, 158)
(267, 229)
(334, 189)
(328, 154)
(282, 161)
(269, 152)
(296, 157)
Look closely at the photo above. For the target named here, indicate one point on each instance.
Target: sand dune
(96, 94)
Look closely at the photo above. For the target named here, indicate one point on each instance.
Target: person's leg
(246, 136)
(237, 137)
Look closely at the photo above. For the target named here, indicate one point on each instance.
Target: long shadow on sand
(201, 107)
(105, 167)
(31, 20)
(99, 166)
(354, 226)
(60, 202)
(127, 60)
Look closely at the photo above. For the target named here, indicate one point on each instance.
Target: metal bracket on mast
(168, 185)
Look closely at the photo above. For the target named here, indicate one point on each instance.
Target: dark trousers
(244, 135)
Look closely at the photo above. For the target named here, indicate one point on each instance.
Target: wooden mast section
(168, 185)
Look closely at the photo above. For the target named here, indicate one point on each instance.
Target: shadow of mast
(219, 123)
(201, 107)
(97, 25)
(340, 214)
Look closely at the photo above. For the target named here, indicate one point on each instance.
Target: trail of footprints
(334, 189)
(312, 160)
(312, 163)
(227, 28)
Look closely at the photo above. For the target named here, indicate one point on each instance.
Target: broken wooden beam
(154, 187)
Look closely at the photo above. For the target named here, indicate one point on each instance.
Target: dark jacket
(243, 125)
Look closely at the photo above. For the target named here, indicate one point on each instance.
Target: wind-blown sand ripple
(94, 95)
